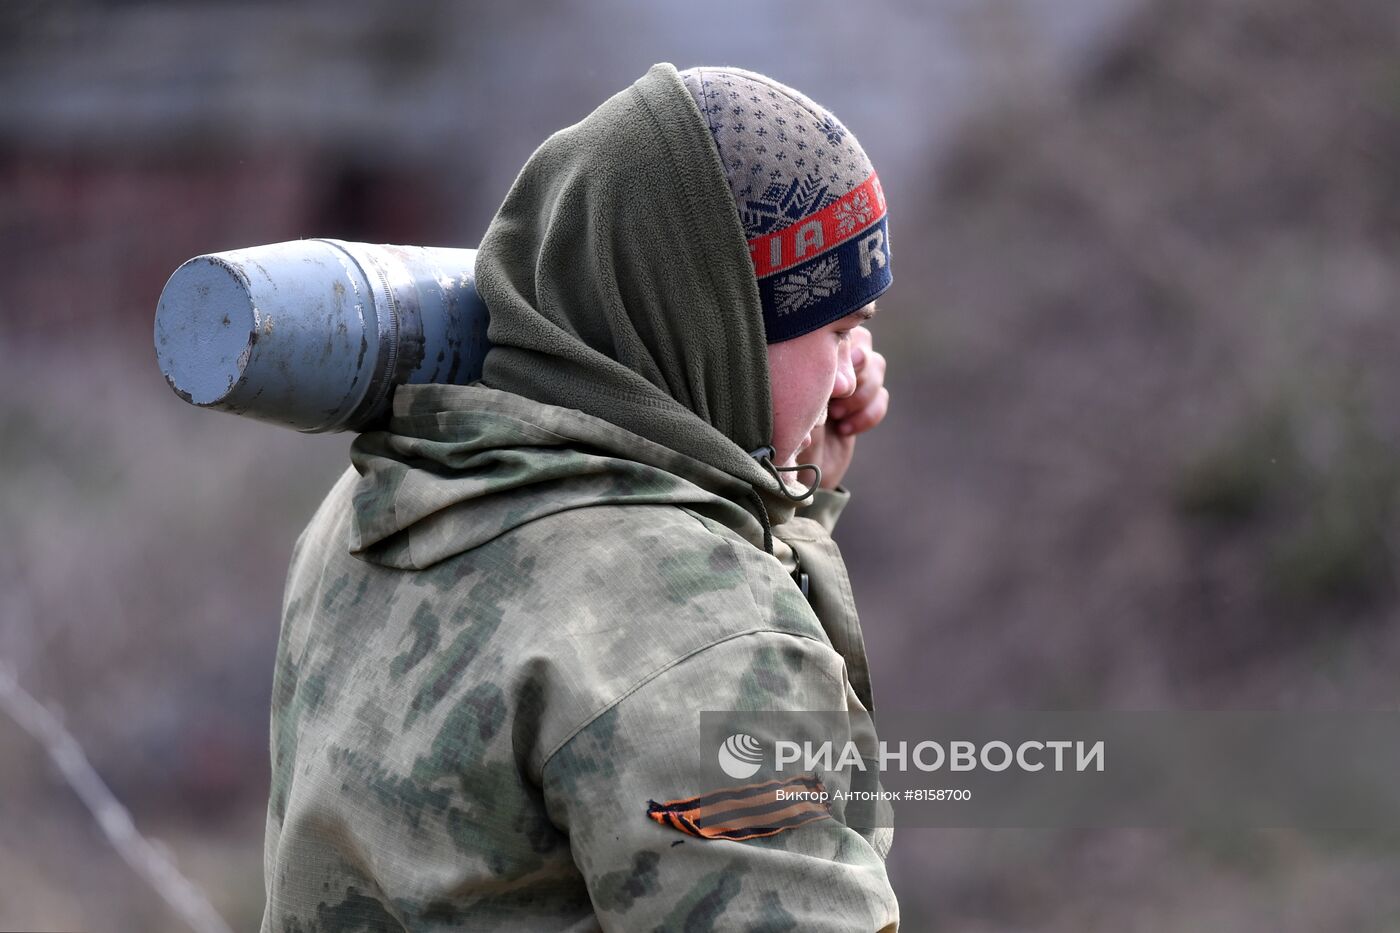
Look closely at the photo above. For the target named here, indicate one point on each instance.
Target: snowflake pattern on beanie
(809, 201)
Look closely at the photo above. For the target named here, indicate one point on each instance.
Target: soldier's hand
(833, 444)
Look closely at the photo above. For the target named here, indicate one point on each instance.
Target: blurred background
(1141, 341)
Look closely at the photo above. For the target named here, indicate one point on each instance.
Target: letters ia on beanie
(810, 203)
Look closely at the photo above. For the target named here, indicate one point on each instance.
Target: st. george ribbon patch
(746, 812)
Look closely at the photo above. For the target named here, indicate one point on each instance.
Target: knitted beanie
(811, 205)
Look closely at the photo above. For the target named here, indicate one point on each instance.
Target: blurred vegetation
(1327, 522)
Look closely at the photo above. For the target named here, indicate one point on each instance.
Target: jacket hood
(460, 465)
(619, 282)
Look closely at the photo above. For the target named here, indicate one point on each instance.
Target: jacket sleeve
(818, 876)
(808, 534)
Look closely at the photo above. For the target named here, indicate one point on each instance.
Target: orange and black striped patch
(746, 812)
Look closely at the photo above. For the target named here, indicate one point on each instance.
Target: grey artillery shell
(315, 334)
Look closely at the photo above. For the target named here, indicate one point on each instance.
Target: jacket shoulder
(620, 594)
(656, 565)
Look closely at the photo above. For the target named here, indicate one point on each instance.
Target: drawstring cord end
(764, 456)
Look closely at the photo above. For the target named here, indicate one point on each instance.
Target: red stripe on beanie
(857, 211)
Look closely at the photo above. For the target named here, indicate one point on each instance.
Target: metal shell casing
(315, 334)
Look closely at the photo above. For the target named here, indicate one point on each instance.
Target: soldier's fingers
(869, 381)
(866, 418)
(863, 395)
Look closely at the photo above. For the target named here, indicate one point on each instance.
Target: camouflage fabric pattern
(498, 631)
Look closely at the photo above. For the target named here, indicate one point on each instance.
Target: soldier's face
(806, 373)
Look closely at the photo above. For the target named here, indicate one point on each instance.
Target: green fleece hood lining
(511, 461)
(619, 284)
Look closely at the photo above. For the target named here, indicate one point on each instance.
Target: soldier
(501, 624)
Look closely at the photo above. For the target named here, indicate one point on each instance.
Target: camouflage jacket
(498, 630)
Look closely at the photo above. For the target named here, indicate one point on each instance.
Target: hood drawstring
(762, 512)
(764, 456)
